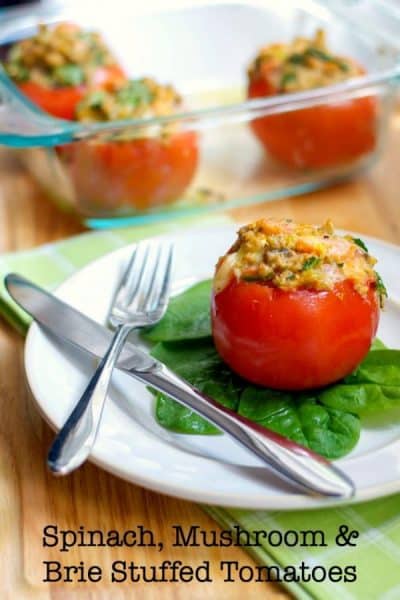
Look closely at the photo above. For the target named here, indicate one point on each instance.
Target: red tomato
(61, 101)
(293, 340)
(316, 137)
(141, 173)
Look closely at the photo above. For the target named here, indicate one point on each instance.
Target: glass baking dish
(203, 49)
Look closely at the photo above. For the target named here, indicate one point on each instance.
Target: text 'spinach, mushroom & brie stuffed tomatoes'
(56, 67)
(295, 307)
(320, 136)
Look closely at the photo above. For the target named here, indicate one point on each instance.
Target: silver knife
(298, 465)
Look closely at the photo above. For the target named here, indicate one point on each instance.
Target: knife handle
(290, 461)
(75, 439)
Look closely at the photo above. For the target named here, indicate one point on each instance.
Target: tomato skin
(319, 136)
(139, 173)
(293, 340)
(61, 101)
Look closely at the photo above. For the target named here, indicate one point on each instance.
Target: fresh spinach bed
(327, 420)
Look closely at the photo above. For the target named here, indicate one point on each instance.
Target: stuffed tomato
(57, 66)
(135, 168)
(294, 307)
(320, 136)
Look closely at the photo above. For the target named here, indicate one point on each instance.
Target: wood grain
(30, 498)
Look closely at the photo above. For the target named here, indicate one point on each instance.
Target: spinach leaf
(199, 363)
(274, 410)
(175, 417)
(361, 399)
(377, 344)
(330, 432)
(192, 360)
(372, 388)
(187, 317)
(380, 366)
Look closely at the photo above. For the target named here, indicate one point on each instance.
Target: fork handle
(75, 439)
(290, 461)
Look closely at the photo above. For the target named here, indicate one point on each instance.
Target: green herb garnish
(69, 75)
(317, 53)
(99, 57)
(381, 289)
(296, 59)
(361, 244)
(288, 78)
(95, 99)
(342, 65)
(17, 71)
(301, 59)
(310, 262)
(135, 93)
(251, 277)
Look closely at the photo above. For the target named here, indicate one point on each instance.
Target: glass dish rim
(60, 131)
(53, 131)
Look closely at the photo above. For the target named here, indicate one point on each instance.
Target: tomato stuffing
(61, 102)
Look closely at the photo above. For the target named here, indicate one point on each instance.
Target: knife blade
(68, 323)
(292, 462)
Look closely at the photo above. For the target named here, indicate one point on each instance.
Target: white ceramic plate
(209, 469)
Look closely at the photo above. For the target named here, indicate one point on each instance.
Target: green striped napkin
(376, 556)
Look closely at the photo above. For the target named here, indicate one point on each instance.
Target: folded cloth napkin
(376, 555)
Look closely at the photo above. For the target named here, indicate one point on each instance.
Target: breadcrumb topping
(137, 98)
(302, 64)
(293, 256)
(64, 55)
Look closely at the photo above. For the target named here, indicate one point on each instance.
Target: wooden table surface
(30, 498)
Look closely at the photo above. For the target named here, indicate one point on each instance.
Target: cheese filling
(64, 55)
(293, 256)
(134, 99)
(302, 64)
(137, 98)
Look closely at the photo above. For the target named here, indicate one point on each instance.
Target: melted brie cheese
(292, 256)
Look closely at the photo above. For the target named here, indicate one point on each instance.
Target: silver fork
(141, 299)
